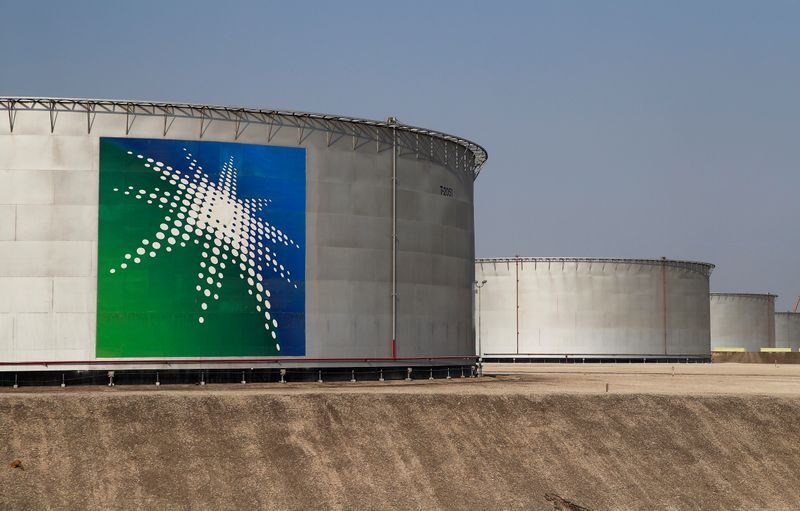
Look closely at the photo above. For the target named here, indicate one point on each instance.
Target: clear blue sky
(615, 128)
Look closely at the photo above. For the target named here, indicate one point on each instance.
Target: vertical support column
(394, 241)
(516, 292)
(664, 300)
(480, 347)
(771, 321)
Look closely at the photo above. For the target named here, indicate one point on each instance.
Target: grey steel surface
(49, 170)
(787, 330)
(553, 306)
(742, 320)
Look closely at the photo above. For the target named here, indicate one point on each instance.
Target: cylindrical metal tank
(787, 330)
(742, 320)
(139, 234)
(592, 308)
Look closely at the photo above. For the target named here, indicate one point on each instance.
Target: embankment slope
(396, 450)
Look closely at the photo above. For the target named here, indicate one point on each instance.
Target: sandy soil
(687, 379)
(709, 437)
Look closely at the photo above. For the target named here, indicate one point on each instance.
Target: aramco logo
(207, 231)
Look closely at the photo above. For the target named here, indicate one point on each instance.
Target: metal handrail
(237, 115)
(747, 295)
(698, 266)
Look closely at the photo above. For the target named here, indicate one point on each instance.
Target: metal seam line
(394, 241)
(516, 288)
(664, 299)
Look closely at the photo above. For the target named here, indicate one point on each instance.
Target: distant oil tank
(742, 320)
(547, 307)
(787, 330)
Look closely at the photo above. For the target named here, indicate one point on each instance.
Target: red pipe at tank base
(231, 361)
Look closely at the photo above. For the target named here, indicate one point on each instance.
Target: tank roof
(747, 295)
(237, 115)
(700, 267)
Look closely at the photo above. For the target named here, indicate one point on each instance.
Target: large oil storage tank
(589, 308)
(742, 321)
(787, 330)
(139, 234)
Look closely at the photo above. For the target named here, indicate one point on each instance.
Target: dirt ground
(545, 437)
(689, 379)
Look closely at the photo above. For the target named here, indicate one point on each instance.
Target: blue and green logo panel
(201, 249)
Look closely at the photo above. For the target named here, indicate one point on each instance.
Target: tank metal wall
(349, 256)
(436, 258)
(787, 330)
(48, 239)
(543, 307)
(742, 321)
(496, 306)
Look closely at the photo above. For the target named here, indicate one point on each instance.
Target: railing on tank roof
(471, 156)
(695, 266)
(766, 296)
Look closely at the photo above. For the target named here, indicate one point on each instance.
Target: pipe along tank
(156, 235)
(742, 321)
(547, 307)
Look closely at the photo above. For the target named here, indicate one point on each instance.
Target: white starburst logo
(233, 236)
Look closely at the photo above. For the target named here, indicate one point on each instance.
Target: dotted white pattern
(210, 214)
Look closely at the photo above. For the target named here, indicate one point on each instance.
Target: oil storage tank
(141, 234)
(787, 330)
(590, 308)
(742, 321)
